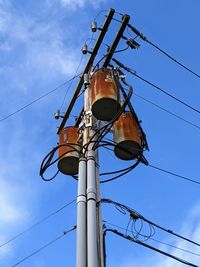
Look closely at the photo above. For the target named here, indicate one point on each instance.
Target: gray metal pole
(81, 253)
(99, 216)
(93, 259)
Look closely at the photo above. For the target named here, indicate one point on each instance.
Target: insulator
(68, 155)
(105, 95)
(86, 79)
(127, 137)
(84, 49)
(94, 26)
(57, 114)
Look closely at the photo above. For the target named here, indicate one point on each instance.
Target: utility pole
(90, 251)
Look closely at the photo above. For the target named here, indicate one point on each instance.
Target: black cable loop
(147, 246)
(48, 158)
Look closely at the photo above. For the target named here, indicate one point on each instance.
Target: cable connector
(71, 229)
(137, 32)
(132, 43)
(134, 216)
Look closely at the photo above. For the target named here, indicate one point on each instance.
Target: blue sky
(40, 48)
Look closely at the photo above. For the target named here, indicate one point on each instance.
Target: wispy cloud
(81, 3)
(191, 229)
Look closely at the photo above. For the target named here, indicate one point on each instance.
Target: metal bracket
(88, 119)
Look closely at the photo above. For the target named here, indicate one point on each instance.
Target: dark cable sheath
(165, 92)
(110, 53)
(167, 111)
(37, 223)
(156, 240)
(47, 161)
(152, 166)
(119, 175)
(43, 247)
(138, 215)
(155, 86)
(174, 174)
(138, 33)
(37, 99)
(149, 246)
(172, 58)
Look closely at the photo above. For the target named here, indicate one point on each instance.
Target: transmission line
(43, 247)
(37, 223)
(149, 246)
(174, 174)
(155, 86)
(37, 99)
(138, 33)
(156, 240)
(167, 111)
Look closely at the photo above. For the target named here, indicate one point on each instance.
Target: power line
(156, 240)
(134, 215)
(174, 174)
(155, 86)
(173, 59)
(167, 111)
(149, 246)
(64, 98)
(138, 33)
(128, 169)
(37, 223)
(43, 247)
(37, 99)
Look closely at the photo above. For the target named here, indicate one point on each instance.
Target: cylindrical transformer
(105, 95)
(68, 155)
(127, 137)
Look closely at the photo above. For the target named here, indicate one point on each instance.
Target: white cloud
(74, 4)
(39, 47)
(191, 229)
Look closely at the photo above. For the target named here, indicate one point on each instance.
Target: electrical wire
(156, 240)
(43, 247)
(37, 99)
(111, 143)
(37, 223)
(155, 86)
(148, 246)
(110, 53)
(122, 174)
(47, 161)
(138, 33)
(174, 174)
(167, 111)
(69, 86)
(173, 59)
(134, 214)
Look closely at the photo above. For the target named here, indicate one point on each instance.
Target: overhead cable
(138, 33)
(149, 246)
(37, 223)
(174, 174)
(37, 99)
(136, 215)
(153, 85)
(43, 247)
(128, 169)
(167, 111)
(156, 240)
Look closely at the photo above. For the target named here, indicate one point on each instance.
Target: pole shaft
(81, 255)
(99, 216)
(93, 259)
